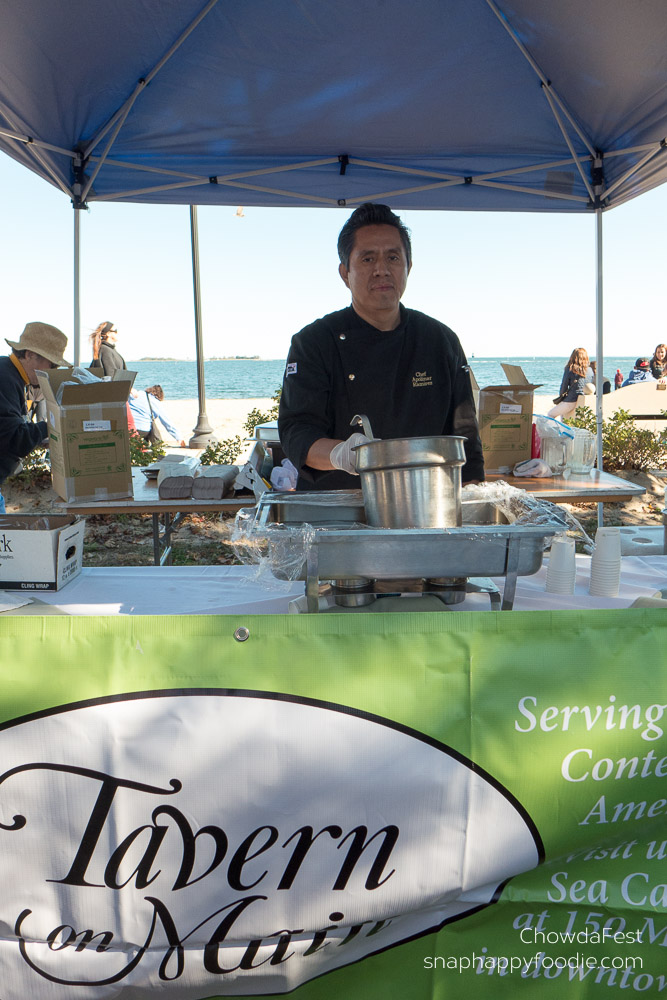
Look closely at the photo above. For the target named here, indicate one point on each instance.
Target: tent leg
(203, 432)
(77, 286)
(599, 349)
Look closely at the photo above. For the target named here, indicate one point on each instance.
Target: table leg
(162, 539)
(165, 558)
(156, 539)
(312, 580)
(509, 589)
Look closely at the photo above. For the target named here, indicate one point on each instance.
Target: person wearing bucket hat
(39, 347)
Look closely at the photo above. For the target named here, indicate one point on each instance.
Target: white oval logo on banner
(234, 842)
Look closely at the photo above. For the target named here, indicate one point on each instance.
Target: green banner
(362, 806)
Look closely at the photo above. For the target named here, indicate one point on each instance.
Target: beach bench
(644, 401)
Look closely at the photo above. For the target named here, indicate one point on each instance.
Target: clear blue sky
(508, 284)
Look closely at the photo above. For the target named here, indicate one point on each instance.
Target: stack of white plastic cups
(561, 571)
(606, 563)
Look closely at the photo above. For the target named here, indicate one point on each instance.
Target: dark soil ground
(127, 540)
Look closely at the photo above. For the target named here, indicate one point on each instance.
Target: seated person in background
(659, 362)
(577, 374)
(406, 371)
(606, 383)
(140, 408)
(640, 373)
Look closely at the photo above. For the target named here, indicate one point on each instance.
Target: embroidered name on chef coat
(420, 379)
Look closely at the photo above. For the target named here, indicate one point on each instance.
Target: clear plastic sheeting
(504, 532)
(550, 427)
(78, 376)
(279, 551)
(522, 508)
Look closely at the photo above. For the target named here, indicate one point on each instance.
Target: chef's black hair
(370, 214)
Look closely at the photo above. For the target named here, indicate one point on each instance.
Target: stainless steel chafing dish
(343, 548)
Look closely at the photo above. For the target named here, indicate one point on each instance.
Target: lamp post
(203, 432)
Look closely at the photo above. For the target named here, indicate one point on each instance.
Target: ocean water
(260, 379)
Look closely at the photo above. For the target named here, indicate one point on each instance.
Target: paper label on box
(97, 425)
(510, 408)
(91, 455)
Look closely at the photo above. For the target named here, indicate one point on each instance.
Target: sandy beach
(227, 416)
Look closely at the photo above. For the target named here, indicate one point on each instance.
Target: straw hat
(48, 341)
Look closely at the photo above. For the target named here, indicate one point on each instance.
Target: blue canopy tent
(520, 105)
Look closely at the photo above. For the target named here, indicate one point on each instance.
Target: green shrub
(36, 466)
(256, 416)
(142, 452)
(222, 452)
(583, 417)
(624, 445)
(226, 452)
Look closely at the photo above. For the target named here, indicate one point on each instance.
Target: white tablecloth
(641, 576)
(216, 590)
(168, 590)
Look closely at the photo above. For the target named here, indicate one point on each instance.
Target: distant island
(232, 357)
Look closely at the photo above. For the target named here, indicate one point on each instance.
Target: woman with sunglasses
(105, 355)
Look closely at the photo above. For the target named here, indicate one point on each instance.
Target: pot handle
(362, 419)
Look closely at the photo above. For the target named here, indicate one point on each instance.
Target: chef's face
(377, 273)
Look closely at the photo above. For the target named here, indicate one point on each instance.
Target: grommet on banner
(241, 634)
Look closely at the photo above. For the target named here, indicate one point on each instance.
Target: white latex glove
(342, 456)
(284, 476)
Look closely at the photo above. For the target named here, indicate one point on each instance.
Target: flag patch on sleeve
(291, 368)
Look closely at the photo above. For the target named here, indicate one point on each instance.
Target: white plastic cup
(606, 563)
(561, 570)
(560, 586)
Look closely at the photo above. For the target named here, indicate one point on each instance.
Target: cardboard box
(88, 436)
(40, 551)
(505, 416)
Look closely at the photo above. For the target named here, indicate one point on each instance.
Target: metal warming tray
(485, 545)
(324, 508)
(480, 549)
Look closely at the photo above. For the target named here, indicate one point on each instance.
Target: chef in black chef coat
(406, 371)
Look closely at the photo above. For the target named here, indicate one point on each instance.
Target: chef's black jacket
(411, 382)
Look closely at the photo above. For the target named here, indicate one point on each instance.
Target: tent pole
(77, 286)
(599, 353)
(203, 432)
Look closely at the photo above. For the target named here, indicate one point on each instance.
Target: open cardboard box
(40, 551)
(505, 417)
(88, 435)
